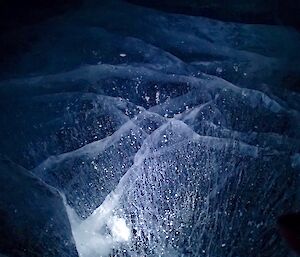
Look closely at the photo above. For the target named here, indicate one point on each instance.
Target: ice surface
(168, 135)
(88, 174)
(34, 221)
(64, 122)
(198, 192)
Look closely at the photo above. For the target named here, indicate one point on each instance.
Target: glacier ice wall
(168, 135)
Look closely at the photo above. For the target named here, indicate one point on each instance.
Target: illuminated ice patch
(101, 232)
(119, 229)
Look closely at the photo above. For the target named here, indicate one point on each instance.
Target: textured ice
(34, 221)
(88, 174)
(198, 194)
(168, 135)
(64, 122)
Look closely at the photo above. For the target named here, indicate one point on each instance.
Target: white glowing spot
(219, 70)
(123, 55)
(157, 97)
(119, 229)
(102, 231)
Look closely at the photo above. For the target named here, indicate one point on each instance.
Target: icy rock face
(169, 135)
(34, 221)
